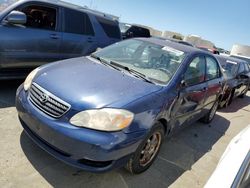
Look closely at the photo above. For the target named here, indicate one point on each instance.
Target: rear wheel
(210, 115)
(147, 151)
(244, 94)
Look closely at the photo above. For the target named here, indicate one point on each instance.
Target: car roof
(175, 45)
(73, 6)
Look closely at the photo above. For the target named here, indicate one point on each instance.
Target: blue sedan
(115, 107)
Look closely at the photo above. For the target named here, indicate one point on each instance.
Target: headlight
(104, 119)
(28, 80)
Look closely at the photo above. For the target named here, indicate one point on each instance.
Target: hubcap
(150, 149)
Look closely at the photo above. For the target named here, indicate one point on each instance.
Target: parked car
(245, 58)
(114, 107)
(133, 31)
(181, 42)
(175, 40)
(35, 32)
(211, 50)
(237, 74)
(234, 164)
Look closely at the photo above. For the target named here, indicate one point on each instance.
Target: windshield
(5, 3)
(230, 68)
(158, 63)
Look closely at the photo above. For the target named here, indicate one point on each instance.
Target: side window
(195, 73)
(241, 68)
(246, 67)
(111, 28)
(77, 22)
(213, 70)
(40, 17)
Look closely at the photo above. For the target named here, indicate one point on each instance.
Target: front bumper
(83, 148)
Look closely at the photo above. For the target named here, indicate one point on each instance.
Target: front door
(34, 43)
(189, 105)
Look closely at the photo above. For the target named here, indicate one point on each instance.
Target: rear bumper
(86, 149)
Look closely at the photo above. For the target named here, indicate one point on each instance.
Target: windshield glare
(157, 63)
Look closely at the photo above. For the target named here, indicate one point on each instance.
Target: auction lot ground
(186, 160)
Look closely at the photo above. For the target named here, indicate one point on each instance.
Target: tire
(229, 100)
(244, 94)
(210, 115)
(138, 162)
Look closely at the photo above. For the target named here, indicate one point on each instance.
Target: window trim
(218, 65)
(47, 5)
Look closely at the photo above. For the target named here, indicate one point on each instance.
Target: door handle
(54, 36)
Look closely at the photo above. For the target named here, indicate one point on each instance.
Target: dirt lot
(185, 160)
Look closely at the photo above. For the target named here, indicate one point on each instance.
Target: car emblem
(43, 98)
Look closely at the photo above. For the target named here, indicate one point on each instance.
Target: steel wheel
(150, 149)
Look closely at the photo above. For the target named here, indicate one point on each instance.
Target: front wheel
(210, 115)
(147, 151)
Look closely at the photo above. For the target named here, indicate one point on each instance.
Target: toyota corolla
(115, 107)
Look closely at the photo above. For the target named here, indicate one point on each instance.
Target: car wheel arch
(165, 124)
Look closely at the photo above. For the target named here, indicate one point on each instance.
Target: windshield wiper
(103, 61)
(134, 72)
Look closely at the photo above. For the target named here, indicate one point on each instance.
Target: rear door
(34, 43)
(78, 34)
(214, 82)
(189, 106)
(241, 82)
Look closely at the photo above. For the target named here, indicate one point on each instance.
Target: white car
(233, 170)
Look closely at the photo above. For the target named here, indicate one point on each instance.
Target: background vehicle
(138, 90)
(244, 58)
(234, 164)
(132, 31)
(36, 32)
(211, 50)
(237, 77)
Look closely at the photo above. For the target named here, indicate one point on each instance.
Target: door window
(213, 70)
(40, 17)
(241, 68)
(195, 73)
(77, 22)
(246, 67)
(111, 28)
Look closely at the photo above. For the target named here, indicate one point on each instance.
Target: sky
(224, 22)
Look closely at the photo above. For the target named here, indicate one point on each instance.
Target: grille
(47, 102)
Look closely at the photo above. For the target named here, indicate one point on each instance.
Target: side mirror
(16, 17)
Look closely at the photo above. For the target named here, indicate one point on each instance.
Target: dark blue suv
(35, 32)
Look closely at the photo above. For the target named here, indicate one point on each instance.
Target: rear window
(111, 28)
(77, 22)
(139, 31)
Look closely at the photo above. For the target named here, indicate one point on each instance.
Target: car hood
(85, 83)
